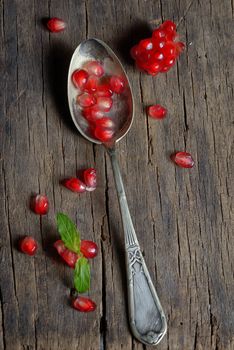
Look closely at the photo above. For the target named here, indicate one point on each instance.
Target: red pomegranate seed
(89, 249)
(169, 50)
(28, 245)
(40, 204)
(158, 34)
(102, 134)
(104, 103)
(74, 185)
(86, 100)
(68, 256)
(56, 25)
(79, 78)
(117, 84)
(170, 61)
(146, 44)
(90, 178)
(157, 112)
(183, 159)
(158, 56)
(105, 123)
(92, 113)
(135, 51)
(169, 27)
(94, 68)
(83, 304)
(91, 84)
(104, 90)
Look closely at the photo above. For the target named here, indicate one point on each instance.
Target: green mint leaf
(82, 275)
(68, 232)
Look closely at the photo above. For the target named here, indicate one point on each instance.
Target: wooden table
(182, 216)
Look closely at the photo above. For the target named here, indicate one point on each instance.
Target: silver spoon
(146, 316)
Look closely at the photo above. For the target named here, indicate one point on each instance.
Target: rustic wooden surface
(182, 217)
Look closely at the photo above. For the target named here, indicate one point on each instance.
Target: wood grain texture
(184, 218)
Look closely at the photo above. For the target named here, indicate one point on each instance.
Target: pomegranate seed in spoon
(79, 78)
(94, 68)
(86, 100)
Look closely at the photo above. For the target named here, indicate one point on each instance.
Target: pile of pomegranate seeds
(157, 112)
(28, 245)
(78, 186)
(95, 98)
(159, 53)
(183, 159)
(40, 204)
(56, 25)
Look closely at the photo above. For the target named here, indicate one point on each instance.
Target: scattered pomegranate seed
(74, 185)
(28, 245)
(79, 78)
(94, 68)
(104, 91)
(104, 103)
(183, 159)
(67, 255)
(86, 100)
(117, 84)
(157, 112)
(102, 134)
(90, 178)
(91, 84)
(40, 204)
(56, 25)
(83, 304)
(92, 113)
(89, 249)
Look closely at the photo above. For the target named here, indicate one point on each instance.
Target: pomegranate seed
(91, 84)
(67, 255)
(74, 185)
(83, 304)
(92, 113)
(169, 26)
(90, 178)
(117, 84)
(105, 123)
(104, 91)
(86, 100)
(158, 56)
(104, 103)
(169, 50)
(102, 134)
(40, 204)
(94, 68)
(79, 78)
(159, 34)
(56, 25)
(157, 112)
(146, 44)
(135, 51)
(89, 249)
(28, 245)
(170, 61)
(183, 159)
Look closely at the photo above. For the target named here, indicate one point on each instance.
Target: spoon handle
(146, 316)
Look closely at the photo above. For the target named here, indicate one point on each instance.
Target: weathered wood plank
(183, 217)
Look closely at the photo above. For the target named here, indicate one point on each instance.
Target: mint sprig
(71, 239)
(68, 232)
(82, 275)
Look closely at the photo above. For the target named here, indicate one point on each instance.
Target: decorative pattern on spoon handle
(147, 319)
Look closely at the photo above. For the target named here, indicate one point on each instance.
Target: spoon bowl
(122, 111)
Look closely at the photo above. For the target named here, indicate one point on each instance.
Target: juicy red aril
(102, 134)
(92, 113)
(169, 26)
(104, 103)
(135, 51)
(146, 44)
(183, 159)
(89, 249)
(117, 84)
(56, 25)
(157, 112)
(90, 178)
(40, 204)
(67, 255)
(104, 91)
(28, 245)
(158, 34)
(94, 68)
(91, 84)
(169, 50)
(74, 185)
(79, 78)
(86, 100)
(105, 123)
(83, 304)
